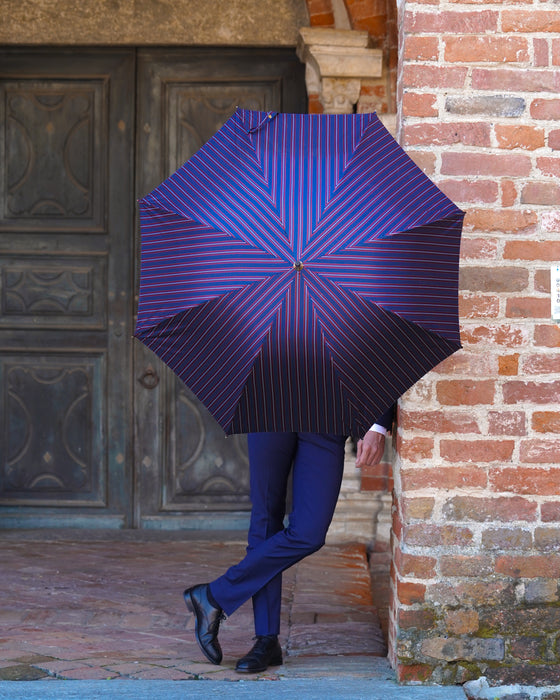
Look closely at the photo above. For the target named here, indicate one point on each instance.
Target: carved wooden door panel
(189, 474)
(66, 146)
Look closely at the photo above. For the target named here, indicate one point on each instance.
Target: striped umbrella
(299, 273)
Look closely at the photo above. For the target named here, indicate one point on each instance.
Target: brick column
(476, 536)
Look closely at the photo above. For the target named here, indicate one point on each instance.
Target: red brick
(531, 392)
(470, 592)
(461, 621)
(546, 421)
(547, 336)
(526, 481)
(532, 250)
(416, 619)
(504, 335)
(536, 566)
(429, 535)
(545, 109)
(554, 140)
(546, 193)
(507, 423)
(460, 565)
(549, 165)
(439, 421)
(527, 137)
(533, 20)
(540, 49)
(485, 164)
(542, 281)
(419, 105)
(410, 593)
(414, 565)
(450, 22)
(320, 13)
(477, 450)
(424, 160)
(443, 478)
(397, 525)
(415, 449)
(478, 248)
(418, 508)
(482, 509)
(322, 20)
(507, 538)
(474, 49)
(420, 76)
(508, 365)
(503, 221)
(540, 451)
(470, 363)
(483, 105)
(479, 307)
(314, 105)
(550, 221)
(375, 484)
(509, 193)
(497, 2)
(493, 279)
(483, 191)
(445, 134)
(378, 477)
(542, 364)
(424, 48)
(465, 392)
(556, 52)
(515, 80)
(550, 512)
(413, 673)
(527, 307)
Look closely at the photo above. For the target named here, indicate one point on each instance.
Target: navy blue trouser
(317, 461)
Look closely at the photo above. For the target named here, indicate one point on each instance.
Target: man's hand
(370, 449)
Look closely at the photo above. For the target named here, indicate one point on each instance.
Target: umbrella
(299, 273)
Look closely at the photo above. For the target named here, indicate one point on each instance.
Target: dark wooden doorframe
(94, 431)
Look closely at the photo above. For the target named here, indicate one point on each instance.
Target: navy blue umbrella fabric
(299, 273)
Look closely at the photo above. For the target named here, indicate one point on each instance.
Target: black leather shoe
(207, 621)
(265, 652)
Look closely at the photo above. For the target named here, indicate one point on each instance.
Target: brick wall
(476, 536)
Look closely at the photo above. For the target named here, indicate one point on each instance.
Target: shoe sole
(190, 607)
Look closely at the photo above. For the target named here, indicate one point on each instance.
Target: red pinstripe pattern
(327, 347)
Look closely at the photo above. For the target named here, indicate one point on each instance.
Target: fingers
(370, 451)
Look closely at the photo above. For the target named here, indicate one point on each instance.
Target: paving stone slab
(104, 607)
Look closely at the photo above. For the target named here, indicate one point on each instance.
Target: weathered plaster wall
(153, 22)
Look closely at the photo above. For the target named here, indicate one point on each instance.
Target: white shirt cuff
(375, 428)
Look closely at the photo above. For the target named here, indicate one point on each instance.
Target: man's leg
(270, 459)
(317, 475)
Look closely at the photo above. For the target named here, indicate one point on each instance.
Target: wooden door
(94, 430)
(189, 474)
(66, 155)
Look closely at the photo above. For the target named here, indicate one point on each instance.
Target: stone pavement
(97, 606)
(105, 609)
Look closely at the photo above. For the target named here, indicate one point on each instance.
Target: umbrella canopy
(299, 273)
